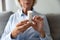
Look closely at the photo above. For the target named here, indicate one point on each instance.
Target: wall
(48, 6)
(0, 5)
(10, 5)
(42, 6)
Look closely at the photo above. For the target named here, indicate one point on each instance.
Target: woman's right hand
(20, 27)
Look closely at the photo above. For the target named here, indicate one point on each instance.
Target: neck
(25, 10)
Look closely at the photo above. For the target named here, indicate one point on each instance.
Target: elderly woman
(19, 27)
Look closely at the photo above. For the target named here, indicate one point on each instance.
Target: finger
(24, 27)
(22, 23)
(38, 18)
(37, 21)
(33, 21)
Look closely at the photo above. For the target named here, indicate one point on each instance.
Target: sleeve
(6, 34)
(47, 30)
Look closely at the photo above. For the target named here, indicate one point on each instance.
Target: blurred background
(42, 6)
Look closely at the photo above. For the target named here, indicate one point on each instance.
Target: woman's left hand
(38, 25)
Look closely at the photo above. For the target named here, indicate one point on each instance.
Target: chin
(27, 7)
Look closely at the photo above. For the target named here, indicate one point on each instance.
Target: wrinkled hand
(38, 25)
(20, 27)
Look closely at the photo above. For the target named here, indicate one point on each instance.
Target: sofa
(53, 21)
(54, 24)
(4, 16)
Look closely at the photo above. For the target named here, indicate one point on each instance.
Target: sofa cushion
(54, 23)
(3, 20)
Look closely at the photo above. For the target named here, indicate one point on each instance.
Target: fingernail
(33, 23)
(27, 22)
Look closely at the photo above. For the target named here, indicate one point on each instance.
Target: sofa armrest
(54, 23)
(3, 20)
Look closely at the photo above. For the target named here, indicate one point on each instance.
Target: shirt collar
(21, 13)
